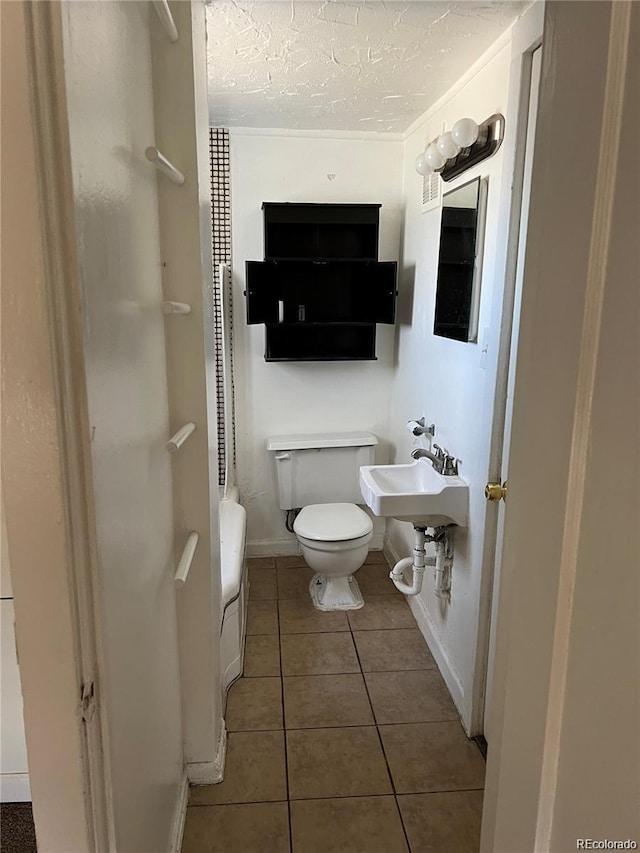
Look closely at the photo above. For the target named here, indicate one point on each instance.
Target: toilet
(318, 475)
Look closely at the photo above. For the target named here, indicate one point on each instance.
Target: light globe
(447, 147)
(434, 158)
(464, 132)
(422, 167)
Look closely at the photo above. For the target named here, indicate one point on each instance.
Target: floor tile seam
(319, 674)
(235, 803)
(417, 722)
(438, 791)
(311, 633)
(424, 723)
(339, 726)
(341, 797)
(336, 726)
(255, 731)
(251, 731)
(382, 628)
(347, 672)
(384, 755)
(348, 797)
(324, 728)
(330, 675)
(284, 730)
(386, 759)
(402, 824)
(348, 630)
(393, 784)
(400, 671)
(261, 635)
(315, 728)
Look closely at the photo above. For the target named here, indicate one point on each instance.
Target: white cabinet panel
(13, 751)
(5, 578)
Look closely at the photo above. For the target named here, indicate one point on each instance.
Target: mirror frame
(478, 257)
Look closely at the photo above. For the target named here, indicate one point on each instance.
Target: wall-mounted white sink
(416, 493)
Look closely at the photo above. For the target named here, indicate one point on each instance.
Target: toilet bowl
(334, 539)
(318, 476)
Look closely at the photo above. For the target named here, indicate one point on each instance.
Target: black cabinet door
(377, 293)
(262, 293)
(329, 292)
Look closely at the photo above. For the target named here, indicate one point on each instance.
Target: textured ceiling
(369, 66)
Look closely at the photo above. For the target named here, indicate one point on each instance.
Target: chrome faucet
(441, 460)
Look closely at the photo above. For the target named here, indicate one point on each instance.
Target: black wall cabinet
(320, 289)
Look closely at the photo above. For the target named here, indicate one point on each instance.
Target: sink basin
(416, 493)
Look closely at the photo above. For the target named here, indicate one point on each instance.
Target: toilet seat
(339, 522)
(335, 545)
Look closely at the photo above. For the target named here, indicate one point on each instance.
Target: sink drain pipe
(419, 562)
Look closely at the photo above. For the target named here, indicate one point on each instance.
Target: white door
(522, 243)
(565, 754)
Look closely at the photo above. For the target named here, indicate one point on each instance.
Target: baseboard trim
(390, 552)
(180, 816)
(15, 788)
(377, 542)
(427, 629)
(291, 548)
(273, 548)
(210, 772)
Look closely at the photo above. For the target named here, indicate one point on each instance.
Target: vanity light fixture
(466, 144)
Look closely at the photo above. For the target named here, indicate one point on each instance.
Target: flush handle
(281, 456)
(495, 492)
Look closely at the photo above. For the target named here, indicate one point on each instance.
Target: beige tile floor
(342, 736)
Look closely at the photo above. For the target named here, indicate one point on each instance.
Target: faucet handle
(440, 453)
(450, 465)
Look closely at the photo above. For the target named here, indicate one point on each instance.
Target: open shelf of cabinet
(320, 231)
(329, 292)
(320, 342)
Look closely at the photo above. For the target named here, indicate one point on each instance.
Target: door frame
(48, 490)
(526, 38)
(564, 285)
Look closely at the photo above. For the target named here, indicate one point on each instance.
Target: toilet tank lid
(314, 441)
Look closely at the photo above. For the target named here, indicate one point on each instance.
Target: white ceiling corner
(342, 65)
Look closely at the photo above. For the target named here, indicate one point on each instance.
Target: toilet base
(335, 593)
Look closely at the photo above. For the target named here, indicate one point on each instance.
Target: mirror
(460, 262)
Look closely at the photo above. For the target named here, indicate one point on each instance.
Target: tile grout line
(284, 719)
(384, 754)
(346, 672)
(341, 725)
(377, 725)
(340, 797)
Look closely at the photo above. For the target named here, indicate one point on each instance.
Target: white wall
(33, 469)
(14, 771)
(445, 380)
(304, 397)
(110, 98)
(181, 125)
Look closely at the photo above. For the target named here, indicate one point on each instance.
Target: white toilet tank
(320, 468)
